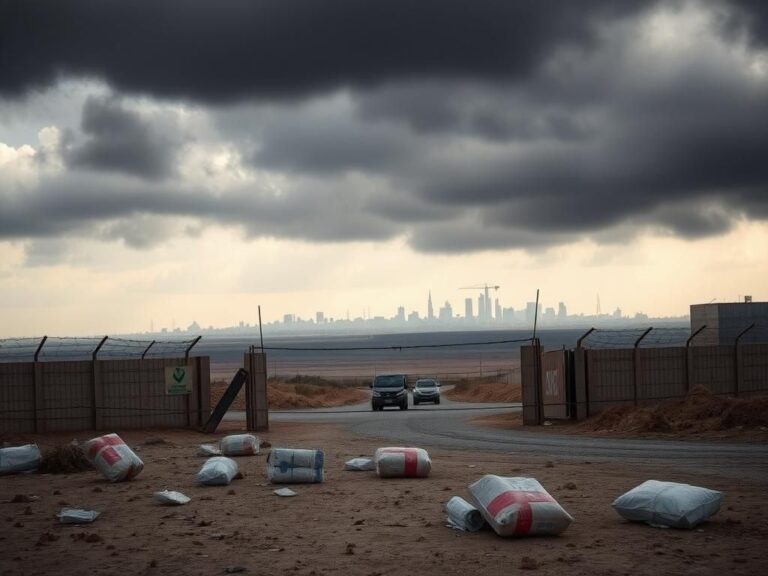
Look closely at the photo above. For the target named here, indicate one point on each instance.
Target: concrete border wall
(100, 395)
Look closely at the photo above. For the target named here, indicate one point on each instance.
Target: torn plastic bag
(208, 450)
(519, 506)
(360, 464)
(239, 445)
(217, 471)
(171, 498)
(77, 516)
(16, 459)
(113, 458)
(668, 504)
(295, 466)
(462, 515)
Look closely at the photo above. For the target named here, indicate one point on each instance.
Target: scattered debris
(208, 450)
(170, 497)
(234, 569)
(286, 492)
(46, 537)
(151, 440)
(217, 536)
(64, 459)
(528, 563)
(16, 459)
(668, 504)
(23, 498)
(77, 516)
(463, 516)
(360, 465)
(113, 458)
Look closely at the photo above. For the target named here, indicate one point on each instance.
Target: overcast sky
(164, 161)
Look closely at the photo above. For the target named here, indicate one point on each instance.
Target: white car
(426, 390)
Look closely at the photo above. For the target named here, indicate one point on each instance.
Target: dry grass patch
(485, 389)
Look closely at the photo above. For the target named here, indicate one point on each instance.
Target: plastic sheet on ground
(295, 466)
(360, 464)
(217, 471)
(17, 459)
(239, 445)
(668, 504)
(285, 492)
(171, 498)
(463, 516)
(398, 462)
(77, 516)
(113, 458)
(208, 450)
(519, 506)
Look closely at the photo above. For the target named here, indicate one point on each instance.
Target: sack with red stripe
(239, 445)
(519, 507)
(113, 458)
(393, 462)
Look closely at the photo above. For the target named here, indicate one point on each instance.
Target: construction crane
(487, 301)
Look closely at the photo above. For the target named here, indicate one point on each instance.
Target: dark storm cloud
(460, 125)
(120, 140)
(209, 51)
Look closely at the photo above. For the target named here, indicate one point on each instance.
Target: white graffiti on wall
(551, 387)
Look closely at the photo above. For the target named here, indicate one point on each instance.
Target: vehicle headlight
(376, 394)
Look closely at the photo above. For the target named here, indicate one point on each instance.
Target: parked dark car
(426, 390)
(389, 390)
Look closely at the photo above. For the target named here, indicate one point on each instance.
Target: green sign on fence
(178, 379)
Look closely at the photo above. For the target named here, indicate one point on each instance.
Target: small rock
(231, 492)
(239, 476)
(570, 486)
(92, 538)
(46, 537)
(528, 563)
(549, 464)
(204, 523)
(23, 498)
(57, 492)
(217, 536)
(234, 569)
(265, 444)
(150, 440)
(153, 563)
(18, 525)
(28, 511)
(350, 548)
(98, 489)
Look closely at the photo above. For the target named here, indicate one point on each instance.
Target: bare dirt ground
(355, 523)
(298, 392)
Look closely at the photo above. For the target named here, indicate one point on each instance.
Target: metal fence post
(688, 354)
(37, 386)
(635, 368)
(737, 360)
(97, 394)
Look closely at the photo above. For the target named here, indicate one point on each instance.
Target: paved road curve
(449, 426)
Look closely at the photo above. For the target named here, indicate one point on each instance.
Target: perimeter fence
(642, 366)
(55, 384)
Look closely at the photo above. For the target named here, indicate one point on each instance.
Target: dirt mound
(490, 389)
(297, 392)
(699, 411)
(64, 459)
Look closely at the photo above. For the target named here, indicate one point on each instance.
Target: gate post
(256, 403)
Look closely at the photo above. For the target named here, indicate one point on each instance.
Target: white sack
(20, 459)
(462, 515)
(360, 464)
(239, 445)
(285, 492)
(668, 504)
(208, 450)
(519, 506)
(77, 516)
(395, 462)
(113, 458)
(289, 466)
(217, 471)
(171, 497)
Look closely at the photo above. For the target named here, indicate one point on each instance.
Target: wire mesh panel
(661, 373)
(714, 368)
(66, 395)
(753, 369)
(610, 377)
(17, 397)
